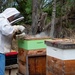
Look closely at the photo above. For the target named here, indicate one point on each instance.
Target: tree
(3, 4)
(25, 7)
(34, 16)
(53, 19)
(38, 16)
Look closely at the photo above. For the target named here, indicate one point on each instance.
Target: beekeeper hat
(10, 12)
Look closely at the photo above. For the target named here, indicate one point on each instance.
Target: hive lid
(61, 43)
(35, 38)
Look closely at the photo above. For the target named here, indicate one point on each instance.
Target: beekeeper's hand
(20, 36)
(18, 28)
(21, 28)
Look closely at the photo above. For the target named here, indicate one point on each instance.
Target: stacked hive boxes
(9, 57)
(32, 56)
(60, 57)
(11, 63)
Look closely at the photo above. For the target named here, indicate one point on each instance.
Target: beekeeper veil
(9, 12)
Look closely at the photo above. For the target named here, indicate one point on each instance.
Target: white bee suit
(6, 30)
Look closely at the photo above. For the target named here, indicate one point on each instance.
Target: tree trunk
(53, 19)
(41, 22)
(34, 16)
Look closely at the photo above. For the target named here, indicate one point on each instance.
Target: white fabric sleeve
(6, 28)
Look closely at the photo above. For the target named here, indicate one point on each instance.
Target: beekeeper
(6, 34)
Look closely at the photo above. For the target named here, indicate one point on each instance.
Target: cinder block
(13, 72)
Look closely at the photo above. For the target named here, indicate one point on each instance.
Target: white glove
(21, 28)
(18, 28)
(20, 36)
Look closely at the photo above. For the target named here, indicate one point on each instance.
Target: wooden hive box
(60, 57)
(29, 49)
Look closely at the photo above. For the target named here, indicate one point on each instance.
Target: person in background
(7, 32)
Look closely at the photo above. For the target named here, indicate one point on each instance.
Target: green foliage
(48, 9)
(25, 8)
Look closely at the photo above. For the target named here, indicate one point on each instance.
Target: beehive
(60, 57)
(32, 47)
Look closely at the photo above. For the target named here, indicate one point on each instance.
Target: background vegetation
(65, 13)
